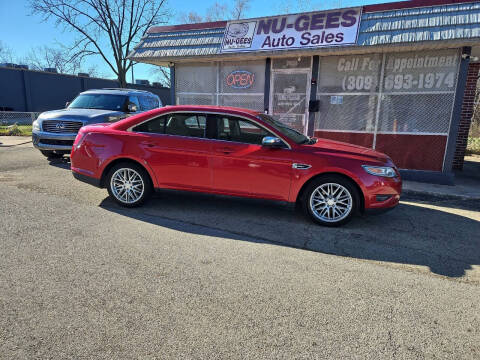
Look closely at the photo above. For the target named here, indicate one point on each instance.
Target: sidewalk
(9, 141)
(467, 184)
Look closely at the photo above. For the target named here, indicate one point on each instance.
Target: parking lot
(198, 276)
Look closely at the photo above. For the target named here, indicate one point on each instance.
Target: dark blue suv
(54, 131)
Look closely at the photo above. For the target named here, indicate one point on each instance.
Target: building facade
(391, 77)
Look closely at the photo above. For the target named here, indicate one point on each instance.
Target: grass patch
(473, 145)
(16, 130)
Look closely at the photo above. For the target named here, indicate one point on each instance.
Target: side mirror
(132, 107)
(272, 141)
(67, 104)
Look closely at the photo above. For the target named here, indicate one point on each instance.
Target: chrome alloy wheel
(331, 202)
(127, 185)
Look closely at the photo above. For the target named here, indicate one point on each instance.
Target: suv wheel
(51, 154)
(129, 184)
(331, 200)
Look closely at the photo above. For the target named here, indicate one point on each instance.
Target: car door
(176, 148)
(242, 166)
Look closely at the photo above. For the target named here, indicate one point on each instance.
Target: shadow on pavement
(445, 242)
(62, 163)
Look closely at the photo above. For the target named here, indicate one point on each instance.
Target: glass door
(290, 92)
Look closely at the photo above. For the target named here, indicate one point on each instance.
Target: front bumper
(43, 140)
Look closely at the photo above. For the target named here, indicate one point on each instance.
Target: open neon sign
(240, 79)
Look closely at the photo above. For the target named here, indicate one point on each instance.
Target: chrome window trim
(130, 129)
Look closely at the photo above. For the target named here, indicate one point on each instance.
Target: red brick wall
(466, 115)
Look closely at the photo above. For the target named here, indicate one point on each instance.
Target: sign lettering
(327, 28)
(240, 79)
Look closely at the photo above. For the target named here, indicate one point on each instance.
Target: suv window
(239, 130)
(156, 126)
(148, 102)
(134, 99)
(186, 125)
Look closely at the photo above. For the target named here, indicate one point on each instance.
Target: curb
(23, 143)
(439, 196)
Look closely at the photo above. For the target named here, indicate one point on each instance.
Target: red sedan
(237, 152)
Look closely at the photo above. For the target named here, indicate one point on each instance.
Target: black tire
(51, 154)
(116, 195)
(340, 207)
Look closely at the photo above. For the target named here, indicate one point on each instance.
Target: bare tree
(217, 12)
(161, 75)
(5, 54)
(108, 28)
(240, 7)
(191, 18)
(41, 57)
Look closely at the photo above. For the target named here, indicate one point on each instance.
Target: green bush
(473, 145)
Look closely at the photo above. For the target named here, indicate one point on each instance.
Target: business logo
(307, 30)
(60, 126)
(239, 35)
(238, 30)
(240, 79)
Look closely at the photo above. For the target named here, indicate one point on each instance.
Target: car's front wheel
(331, 200)
(129, 184)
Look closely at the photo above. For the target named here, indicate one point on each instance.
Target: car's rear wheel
(129, 184)
(51, 154)
(331, 200)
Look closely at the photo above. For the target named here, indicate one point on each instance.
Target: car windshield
(99, 101)
(292, 134)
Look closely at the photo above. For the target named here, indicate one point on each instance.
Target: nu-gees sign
(318, 29)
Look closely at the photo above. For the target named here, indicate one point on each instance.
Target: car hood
(341, 148)
(90, 116)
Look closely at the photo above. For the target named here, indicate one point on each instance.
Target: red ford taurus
(235, 152)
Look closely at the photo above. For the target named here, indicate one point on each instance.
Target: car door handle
(148, 144)
(225, 150)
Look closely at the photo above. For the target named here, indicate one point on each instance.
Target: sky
(21, 30)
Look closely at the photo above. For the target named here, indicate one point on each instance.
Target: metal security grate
(60, 126)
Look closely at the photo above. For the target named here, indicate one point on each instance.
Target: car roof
(117, 91)
(212, 108)
(130, 121)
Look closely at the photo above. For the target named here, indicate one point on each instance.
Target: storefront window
(348, 92)
(418, 92)
(239, 84)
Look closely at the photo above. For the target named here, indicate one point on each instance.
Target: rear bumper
(53, 141)
(87, 179)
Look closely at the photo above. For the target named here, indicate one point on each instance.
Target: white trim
(379, 102)
(451, 112)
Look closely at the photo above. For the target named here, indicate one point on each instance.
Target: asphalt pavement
(208, 277)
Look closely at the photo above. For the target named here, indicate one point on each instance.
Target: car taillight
(78, 140)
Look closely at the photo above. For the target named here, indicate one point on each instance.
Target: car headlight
(36, 126)
(114, 118)
(384, 171)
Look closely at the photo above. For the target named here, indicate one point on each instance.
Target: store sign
(318, 29)
(240, 79)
